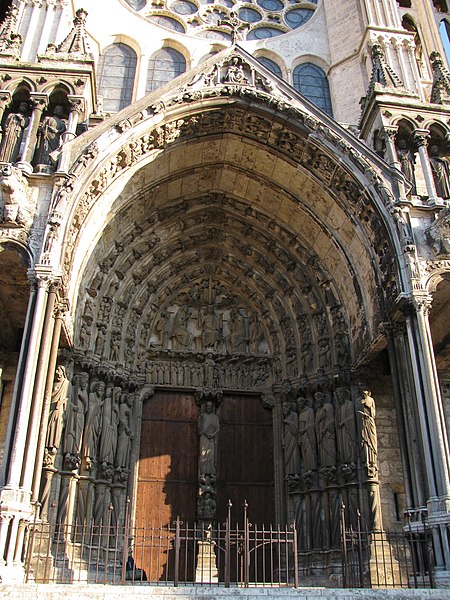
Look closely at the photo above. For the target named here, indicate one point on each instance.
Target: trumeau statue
(14, 127)
(208, 429)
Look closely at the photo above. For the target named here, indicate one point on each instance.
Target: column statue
(93, 422)
(58, 403)
(124, 431)
(76, 412)
(14, 127)
(326, 431)
(290, 442)
(346, 430)
(307, 435)
(369, 449)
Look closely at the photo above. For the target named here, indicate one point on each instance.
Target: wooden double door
(168, 466)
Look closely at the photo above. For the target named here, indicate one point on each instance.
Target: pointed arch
(116, 75)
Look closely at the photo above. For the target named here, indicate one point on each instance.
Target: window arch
(311, 81)
(117, 70)
(164, 65)
(271, 65)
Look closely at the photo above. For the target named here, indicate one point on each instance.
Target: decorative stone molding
(438, 234)
(16, 206)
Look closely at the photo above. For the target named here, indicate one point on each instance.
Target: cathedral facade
(225, 267)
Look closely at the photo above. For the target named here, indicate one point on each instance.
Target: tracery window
(116, 73)
(164, 65)
(311, 81)
(271, 65)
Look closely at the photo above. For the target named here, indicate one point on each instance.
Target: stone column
(432, 429)
(43, 281)
(32, 448)
(14, 497)
(389, 133)
(408, 419)
(51, 366)
(420, 335)
(76, 108)
(39, 104)
(5, 101)
(421, 137)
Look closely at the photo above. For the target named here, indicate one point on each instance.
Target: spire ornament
(440, 91)
(10, 40)
(237, 28)
(75, 46)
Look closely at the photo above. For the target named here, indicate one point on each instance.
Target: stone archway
(243, 251)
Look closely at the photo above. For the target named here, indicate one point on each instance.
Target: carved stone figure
(235, 73)
(346, 428)
(369, 447)
(181, 336)
(13, 130)
(440, 170)
(256, 333)
(238, 331)
(406, 158)
(124, 432)
(76, 411)
(15, 203)
(110, 422)
(326, 431)
(290, 442)
(93, 421)
(208, 429)
(58, 403)
(307, 435)
(50, 131)
(210, 325)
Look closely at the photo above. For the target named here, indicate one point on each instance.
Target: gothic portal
(220, 280)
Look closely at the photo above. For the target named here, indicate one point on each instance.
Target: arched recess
(232, 250)
(14, 296)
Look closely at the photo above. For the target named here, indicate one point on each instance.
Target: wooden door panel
(167, 478)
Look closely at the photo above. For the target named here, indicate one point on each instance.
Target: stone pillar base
(206, 571)
(12, 574)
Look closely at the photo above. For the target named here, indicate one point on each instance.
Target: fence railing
(388, 559)
(173, 554)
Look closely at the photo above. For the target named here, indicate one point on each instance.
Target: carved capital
(214, 395)
(5, 98)
(38, 101)
(421, 137)
(76, 104)
(389, 132)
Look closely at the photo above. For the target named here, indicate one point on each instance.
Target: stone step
(141, 592)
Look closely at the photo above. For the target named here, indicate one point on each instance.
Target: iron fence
(172, 554)
(388, 559)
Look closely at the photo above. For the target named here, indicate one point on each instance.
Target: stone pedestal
(380, 553)
(206, 571)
